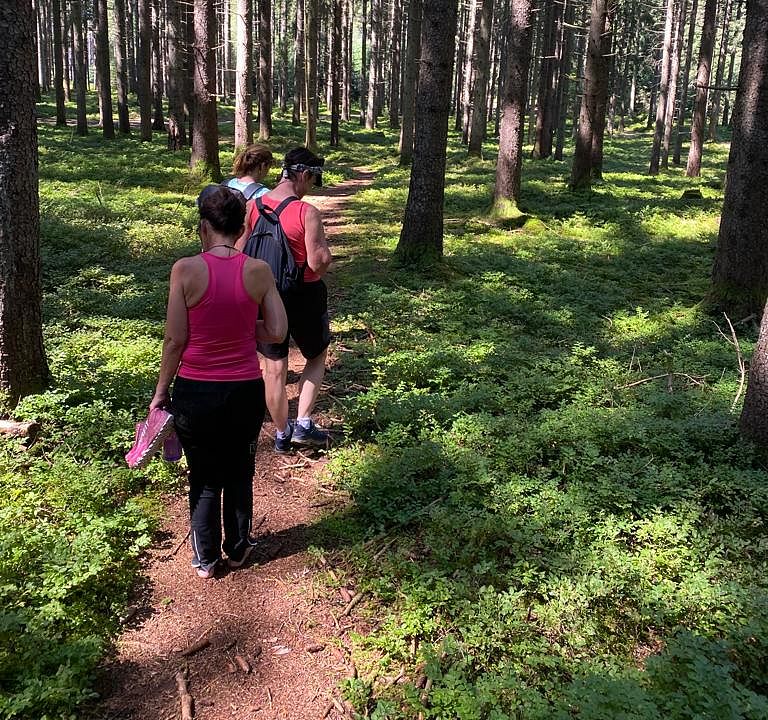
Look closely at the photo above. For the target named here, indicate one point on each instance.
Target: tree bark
(421, 238)
(310, 31)
(158, 90)
(79, 52)
(58, 64)
(481, 71)
(23, 367)
(510, 161)
(563, 83)
(740, 271)
(684, 85)
(205, 130)
(346, 99)
(754, 414)
(582, 169)
(144, 69)
(102, 70)
(265, 69)
(177, 133)
(121, 78)
(373, 64)
(336, 60)
(714, 111)
(243, 99)
(299, 76)
(394, 74)
(661, 104)
(468, 79)
(542, 144)
(674, 72)
(603, 73)
(412, 54)
(693, 168)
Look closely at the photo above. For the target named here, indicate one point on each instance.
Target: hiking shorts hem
(308, 324)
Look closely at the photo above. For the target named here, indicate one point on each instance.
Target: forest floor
(265, 641)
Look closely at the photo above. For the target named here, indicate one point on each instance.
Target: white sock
(284, 433)
(305, 422)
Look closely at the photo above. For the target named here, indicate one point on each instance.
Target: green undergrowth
(553, 514)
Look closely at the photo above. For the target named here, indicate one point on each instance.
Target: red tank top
(221, 343)
(292, 221)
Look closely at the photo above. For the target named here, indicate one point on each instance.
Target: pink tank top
(292, 221)
(221, 344)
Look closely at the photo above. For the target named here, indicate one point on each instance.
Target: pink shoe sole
(150, 434)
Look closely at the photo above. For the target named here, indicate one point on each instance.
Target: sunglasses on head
(315, 170)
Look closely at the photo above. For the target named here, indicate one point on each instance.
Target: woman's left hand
(159, 400)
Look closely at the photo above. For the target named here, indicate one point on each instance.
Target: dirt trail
(271, 614)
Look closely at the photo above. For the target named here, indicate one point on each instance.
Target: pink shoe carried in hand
(150, 434)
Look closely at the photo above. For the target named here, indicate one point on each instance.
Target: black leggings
(218, 424)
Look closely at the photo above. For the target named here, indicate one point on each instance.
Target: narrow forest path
(269, 635)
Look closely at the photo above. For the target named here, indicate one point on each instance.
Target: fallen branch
(187, 702)
(196, 647)
(178, 547)
(12, 428)
(666, 376)
(354, 601)
(739, 360)
(242, 663)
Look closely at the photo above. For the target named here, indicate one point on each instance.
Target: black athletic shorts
(307, 310)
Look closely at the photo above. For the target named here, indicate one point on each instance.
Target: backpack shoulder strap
(273, 215)
(251, 189)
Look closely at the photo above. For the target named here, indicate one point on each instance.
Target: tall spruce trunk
(336, 60)
(373, 64)
(103, 81)
(421, 238)
(158, 88)
(144, 69)
(121, 76)
(582, 170)
(706, 48)
(80, 69)
(66, 47)
(58, 64)
(661, 104)
(467, 77)
(714, 110)
(282, 53)
(674, 72)
(243, 98)
(394, 74)
(23, 367)
(740, 271)
(542, 144)
(412, 54)
(311, 32)
(299, 63)
(563, 83)
(510, 161)
(603, 75)
(346, 82)
(265, 69)
(177, 134)
(684, 85)
(481, 71)
(205, 130)
(753, 422)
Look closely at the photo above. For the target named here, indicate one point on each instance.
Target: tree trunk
(740, 271)
(363, 59)
(603, 73)
(102, 70)
(674, 72)
(714, 111)
(421, 238)
(754, 414)
(243, 100)
(566, 44)
(131, 42)
(346, 95)
(510, 161)
(661, 104)
(684, 85)
(481, 71)
(66, 47)
(693, 169)
(265, 69)
(177, 134)
(79, 52)
(205, 130)
(542, 144)
(394, 82)
(373, 64)
(336, 60)
(468, 79)
(299, 76)
(582, 169)
(158, 122)
(310, 32)
(23, 367)
(121, 78)
(412, 53)
(282, 54)
(144, 69)
(58, 64)
(460, 54)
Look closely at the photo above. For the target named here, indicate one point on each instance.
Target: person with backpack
(284, 216)
(251, 166)
(220, 303)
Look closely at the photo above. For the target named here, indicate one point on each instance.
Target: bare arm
(176, 333)
(318, 252)
(260, 284)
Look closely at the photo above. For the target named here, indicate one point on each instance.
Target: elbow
(174, 345)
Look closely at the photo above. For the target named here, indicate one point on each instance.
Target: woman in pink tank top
(219, 305)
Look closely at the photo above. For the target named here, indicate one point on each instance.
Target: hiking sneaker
(150, 434)
(206, 573)
(312, 436)
(239, 563)
(283, 445)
